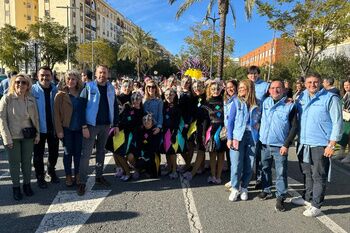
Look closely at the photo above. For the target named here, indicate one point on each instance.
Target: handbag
(346, 116)
(29, 132)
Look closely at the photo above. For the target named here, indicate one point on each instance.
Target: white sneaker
(228, 185)
(346, 159)
(233, 195)
(244, 194)
(299, 201)
(312, 212)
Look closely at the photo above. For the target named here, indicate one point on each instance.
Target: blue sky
(158, 17)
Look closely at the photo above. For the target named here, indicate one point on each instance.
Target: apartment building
(87, 19)
(273, 51)
(18, 13)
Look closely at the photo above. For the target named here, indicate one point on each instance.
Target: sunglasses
(22, 82)
(215, 88)
(151, 87)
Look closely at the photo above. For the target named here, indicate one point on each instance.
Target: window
(29, 17)
(7, 1)
(46, 1)
(29, 5)
(47, 13)
(7, 13)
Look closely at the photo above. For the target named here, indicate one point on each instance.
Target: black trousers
(39, 150)
(315, 176)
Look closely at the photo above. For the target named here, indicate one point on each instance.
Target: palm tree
(223, 8)
(138, 47)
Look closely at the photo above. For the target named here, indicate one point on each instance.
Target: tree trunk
(223, 10)
(138, 69)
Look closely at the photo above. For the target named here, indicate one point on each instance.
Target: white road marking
(192, 214)
(329, 223)
(5, 175)
(68, 211)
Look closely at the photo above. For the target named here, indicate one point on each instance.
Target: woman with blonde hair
(68, 112)
(213, 125)
(242, 136)
(19, 129)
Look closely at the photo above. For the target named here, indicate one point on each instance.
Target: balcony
(90, 27)
(91, 16)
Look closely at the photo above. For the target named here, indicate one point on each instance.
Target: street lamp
(213, 19)
(271, 49)
(68, 8)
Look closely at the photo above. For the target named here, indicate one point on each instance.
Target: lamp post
(213, 19)
(68, 8)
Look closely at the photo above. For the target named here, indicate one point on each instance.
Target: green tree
(200, 42)
(52, 40)
(313, 25)
(138, 47)
(337, 67)
(233, 70)
(14, 47)
(223, 8)
(103, 53)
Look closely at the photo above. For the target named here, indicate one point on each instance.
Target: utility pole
(213, 19)
(92, 55)
(68, 8)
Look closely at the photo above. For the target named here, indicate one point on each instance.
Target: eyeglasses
(151, 87)
(215, 88)
(22, 82)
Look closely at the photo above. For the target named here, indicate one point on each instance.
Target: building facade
(271, 52)
(87, 19)
(18, 13)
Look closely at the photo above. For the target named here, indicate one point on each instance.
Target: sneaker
(173, 175)
(102, 181)
(233, 195)
(136, 175)
(280, 205)
(119, 172)
(244, 194)
(312, 212)
(211, 180)
(42, 183)
(228, 185)
(264, 195)
(300, 201)
(188, 175)
(346, 159)
(81, 189)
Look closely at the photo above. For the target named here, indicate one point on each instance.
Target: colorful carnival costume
(170, 130)
(213, 125)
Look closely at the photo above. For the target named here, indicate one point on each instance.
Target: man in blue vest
(44, 92)
(261, 92)
(277, 130)
(321, 126)
(101, 113)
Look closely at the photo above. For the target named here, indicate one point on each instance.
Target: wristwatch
(331, 147)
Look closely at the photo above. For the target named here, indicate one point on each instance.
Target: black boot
(17, 195)
(42, 182)
(28, 190)
(52, 174)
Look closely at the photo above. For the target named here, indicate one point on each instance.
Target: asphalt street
(164, 205)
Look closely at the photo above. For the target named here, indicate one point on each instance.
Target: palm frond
(209, 8)
(233, 14)
(248, 7)
(185, 6)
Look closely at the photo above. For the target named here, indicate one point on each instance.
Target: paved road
(165, 205)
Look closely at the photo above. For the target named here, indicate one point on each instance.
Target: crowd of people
(250, 122)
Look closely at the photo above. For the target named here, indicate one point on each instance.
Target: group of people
(252, 122)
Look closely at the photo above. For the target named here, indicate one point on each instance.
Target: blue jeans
(268, 154)
(242, 162)
(72, 142)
